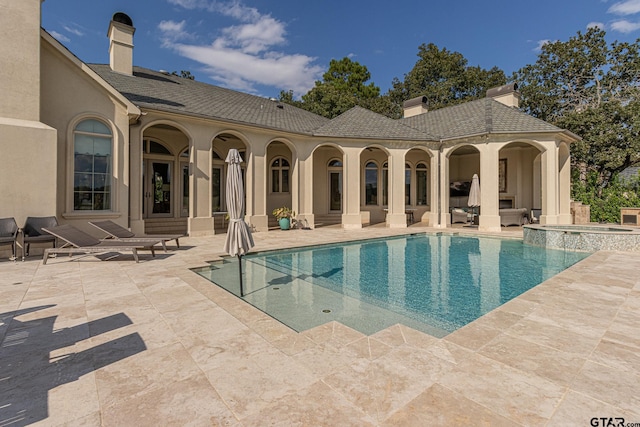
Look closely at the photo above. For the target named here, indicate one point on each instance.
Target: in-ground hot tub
(586, 237)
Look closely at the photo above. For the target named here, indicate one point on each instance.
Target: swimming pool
(433, 283)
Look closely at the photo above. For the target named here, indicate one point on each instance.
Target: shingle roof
(154, 90)
(359, 122)
(158, 91)
(477, 117)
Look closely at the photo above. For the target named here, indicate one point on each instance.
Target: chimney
(415, 106)
(507, 95)
(121, 43)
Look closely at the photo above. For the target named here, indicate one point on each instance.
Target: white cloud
(625, 26)
(626, 7)
(242, 71)
(74, 31)
(173, 31)
(60, 37)
(541, 43)
(243, 55)
(596, 25)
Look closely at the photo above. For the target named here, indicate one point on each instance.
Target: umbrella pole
(240, 273)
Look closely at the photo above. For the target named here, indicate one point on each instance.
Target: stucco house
(146, 149)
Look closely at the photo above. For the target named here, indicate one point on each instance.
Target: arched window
(421, 184)
(371, 183)
(280, 175)
(92, 158)
(407, 184)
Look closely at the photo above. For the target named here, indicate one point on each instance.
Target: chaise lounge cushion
(512, 216)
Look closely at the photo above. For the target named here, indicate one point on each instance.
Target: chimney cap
(502, 90)
(122, 18)
(418, 100)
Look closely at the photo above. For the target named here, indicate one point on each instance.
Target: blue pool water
(433, 283)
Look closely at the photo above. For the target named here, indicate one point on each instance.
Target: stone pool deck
(115, 343)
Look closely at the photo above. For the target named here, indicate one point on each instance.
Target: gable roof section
(131, 108)
(157, 91)
(359, 122)
(475, 118)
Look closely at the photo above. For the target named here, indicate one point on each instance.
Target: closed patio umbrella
(239, 239)
(474, 193)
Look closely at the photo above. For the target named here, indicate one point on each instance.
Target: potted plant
(284, 215)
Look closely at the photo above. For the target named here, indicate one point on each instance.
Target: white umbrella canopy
(239, 239)
(474, 193)
(474, 196)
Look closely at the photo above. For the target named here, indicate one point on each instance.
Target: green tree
(343, 86)
(590, 88)
(185, 74)
(445, 78)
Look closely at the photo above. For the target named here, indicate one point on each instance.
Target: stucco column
(256, 181)
(549, 187)
(489, 195)
(29, 147)
(434, 184)
(442, 191)
(304, 174)
(135, 182)
(396, 217)
(351, 215)
(200, 218)
(564, 184)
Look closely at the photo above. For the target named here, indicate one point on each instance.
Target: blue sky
(264, 47)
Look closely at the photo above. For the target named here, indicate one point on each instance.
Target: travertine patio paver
(115, 343)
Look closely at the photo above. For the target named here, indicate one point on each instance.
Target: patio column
(304, 192)
(351, 183)
(434, 184)
(200, 221)
(549, 187)
(396, 217)
(564, 184)
(489, 196)
(256, 182)
(442, 190)
(135, 182)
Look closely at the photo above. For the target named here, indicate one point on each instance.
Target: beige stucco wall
(70, 95)
(27, 175)
(27, 145)
(20, 59)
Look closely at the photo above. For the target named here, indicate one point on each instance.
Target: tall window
(371, 183)
(407, 184)
(421, 184)
(92, 166)
(280, 175)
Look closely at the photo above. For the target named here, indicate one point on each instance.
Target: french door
(158, 188)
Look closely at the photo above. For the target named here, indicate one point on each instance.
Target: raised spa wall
(589, 238)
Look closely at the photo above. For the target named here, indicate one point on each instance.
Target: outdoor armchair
(77, 241)
(9, 234)
(32, 232)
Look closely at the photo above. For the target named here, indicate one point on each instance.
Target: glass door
(335, 191)
(158, 189)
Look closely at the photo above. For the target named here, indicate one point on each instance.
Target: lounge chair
(117, 232)
(32, 232)
(512, 216)
(459, 215)
(9, 234)
(79, 241)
